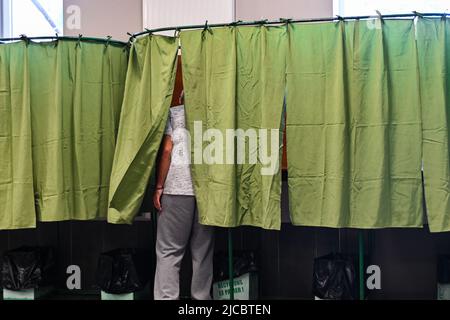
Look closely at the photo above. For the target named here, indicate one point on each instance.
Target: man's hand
(157, 199)
(165, 154)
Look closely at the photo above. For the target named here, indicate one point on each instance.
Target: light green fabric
(76, 95)
(16, 174)
(234, 78)
(433, 44)
(148, 94)
(354, 125)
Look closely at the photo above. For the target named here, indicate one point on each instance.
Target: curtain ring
(176, 33)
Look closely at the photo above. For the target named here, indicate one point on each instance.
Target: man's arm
(162, 170)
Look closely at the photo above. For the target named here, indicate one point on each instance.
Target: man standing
(178, 220)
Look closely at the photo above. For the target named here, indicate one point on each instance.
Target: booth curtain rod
(281, 21)
(107, 41)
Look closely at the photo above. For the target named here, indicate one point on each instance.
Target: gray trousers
(177, 227)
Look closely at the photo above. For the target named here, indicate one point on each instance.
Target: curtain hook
(418, 14)
(380, 16)
(79, 40)
(24, 37)
(286, 21)
(56, 39)
(130, 40)
(340, 18)
(132, 37)
(206, 28)
(108, 40)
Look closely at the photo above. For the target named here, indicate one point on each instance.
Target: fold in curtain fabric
(354, 125)
(76, 95)
(148, 94)
(16, 173)
(433, 44)
(234, 78)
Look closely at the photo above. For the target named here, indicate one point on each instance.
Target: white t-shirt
(179, 179)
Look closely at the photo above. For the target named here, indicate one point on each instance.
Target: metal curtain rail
(283, 21)
(67, 38)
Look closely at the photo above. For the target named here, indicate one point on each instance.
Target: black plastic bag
(123, 271)
(243, 262)
(334, 278)
(28, 268)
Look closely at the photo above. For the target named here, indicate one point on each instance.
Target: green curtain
(433, 44)
(354, 125)
(148, 94)
(16, 173)
(234, 78)
(76, 95)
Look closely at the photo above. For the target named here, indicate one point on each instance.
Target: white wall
(248, 10)
(117, 17)
(170, 13)
(101, 18)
